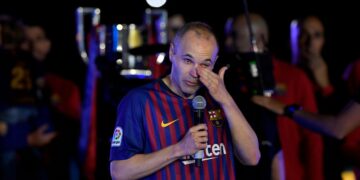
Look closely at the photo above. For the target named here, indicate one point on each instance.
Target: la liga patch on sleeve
(117, 137)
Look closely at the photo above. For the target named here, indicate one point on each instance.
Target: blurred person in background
(299, 149)
(331, 94)
(64, 103)
(26, 122)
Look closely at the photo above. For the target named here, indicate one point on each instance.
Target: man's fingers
(201, 134)
(199, 127)
(259, 100)
(201, 145)
(269, 103)
(203, 140)
(43, 128)
(222, 71)
(51, 136)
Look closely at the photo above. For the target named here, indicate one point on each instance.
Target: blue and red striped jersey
(153, 117)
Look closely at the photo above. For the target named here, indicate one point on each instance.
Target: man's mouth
(190, 83)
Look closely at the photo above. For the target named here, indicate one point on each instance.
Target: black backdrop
(341, 19)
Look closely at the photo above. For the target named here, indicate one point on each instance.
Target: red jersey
(303, 149)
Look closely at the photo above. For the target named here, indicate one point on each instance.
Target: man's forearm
(142, 165)
(335, 126)
(316, 122)
(244, 138)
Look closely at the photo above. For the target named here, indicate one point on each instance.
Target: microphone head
(199, 102)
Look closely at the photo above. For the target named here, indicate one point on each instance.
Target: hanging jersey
(17, 79)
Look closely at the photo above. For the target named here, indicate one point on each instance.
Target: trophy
(137, 51)
(157, 40)
(83, 15)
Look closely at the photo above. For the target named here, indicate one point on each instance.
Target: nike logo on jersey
(168, 124)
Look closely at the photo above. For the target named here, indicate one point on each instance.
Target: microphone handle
(199, 116)
(199, 155)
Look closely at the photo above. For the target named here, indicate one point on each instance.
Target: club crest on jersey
(117, 137)
(216, 117)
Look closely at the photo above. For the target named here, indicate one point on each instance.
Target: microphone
(198, 104)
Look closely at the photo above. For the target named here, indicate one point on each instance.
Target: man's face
(39, 44)
(242, 37)
(312, 37)
(188, 54)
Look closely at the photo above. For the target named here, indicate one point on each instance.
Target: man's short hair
(202, 29)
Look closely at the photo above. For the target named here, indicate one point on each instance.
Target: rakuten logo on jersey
(215, 150)
(211, 152)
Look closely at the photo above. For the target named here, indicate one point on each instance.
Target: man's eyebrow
(208, 60)
(187, 55)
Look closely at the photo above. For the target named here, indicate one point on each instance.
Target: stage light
(156, 3)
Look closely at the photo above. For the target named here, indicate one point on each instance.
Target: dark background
(341, 20)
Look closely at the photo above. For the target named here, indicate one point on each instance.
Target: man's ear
(171, 52)
(215, 60)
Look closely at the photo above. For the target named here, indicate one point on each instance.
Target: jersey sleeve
(129, 135)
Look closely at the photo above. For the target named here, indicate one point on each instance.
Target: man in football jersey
(155, 135)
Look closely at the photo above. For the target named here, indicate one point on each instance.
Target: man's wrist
(177, 151)
(289, 110)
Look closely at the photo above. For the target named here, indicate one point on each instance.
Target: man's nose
(194, 72)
